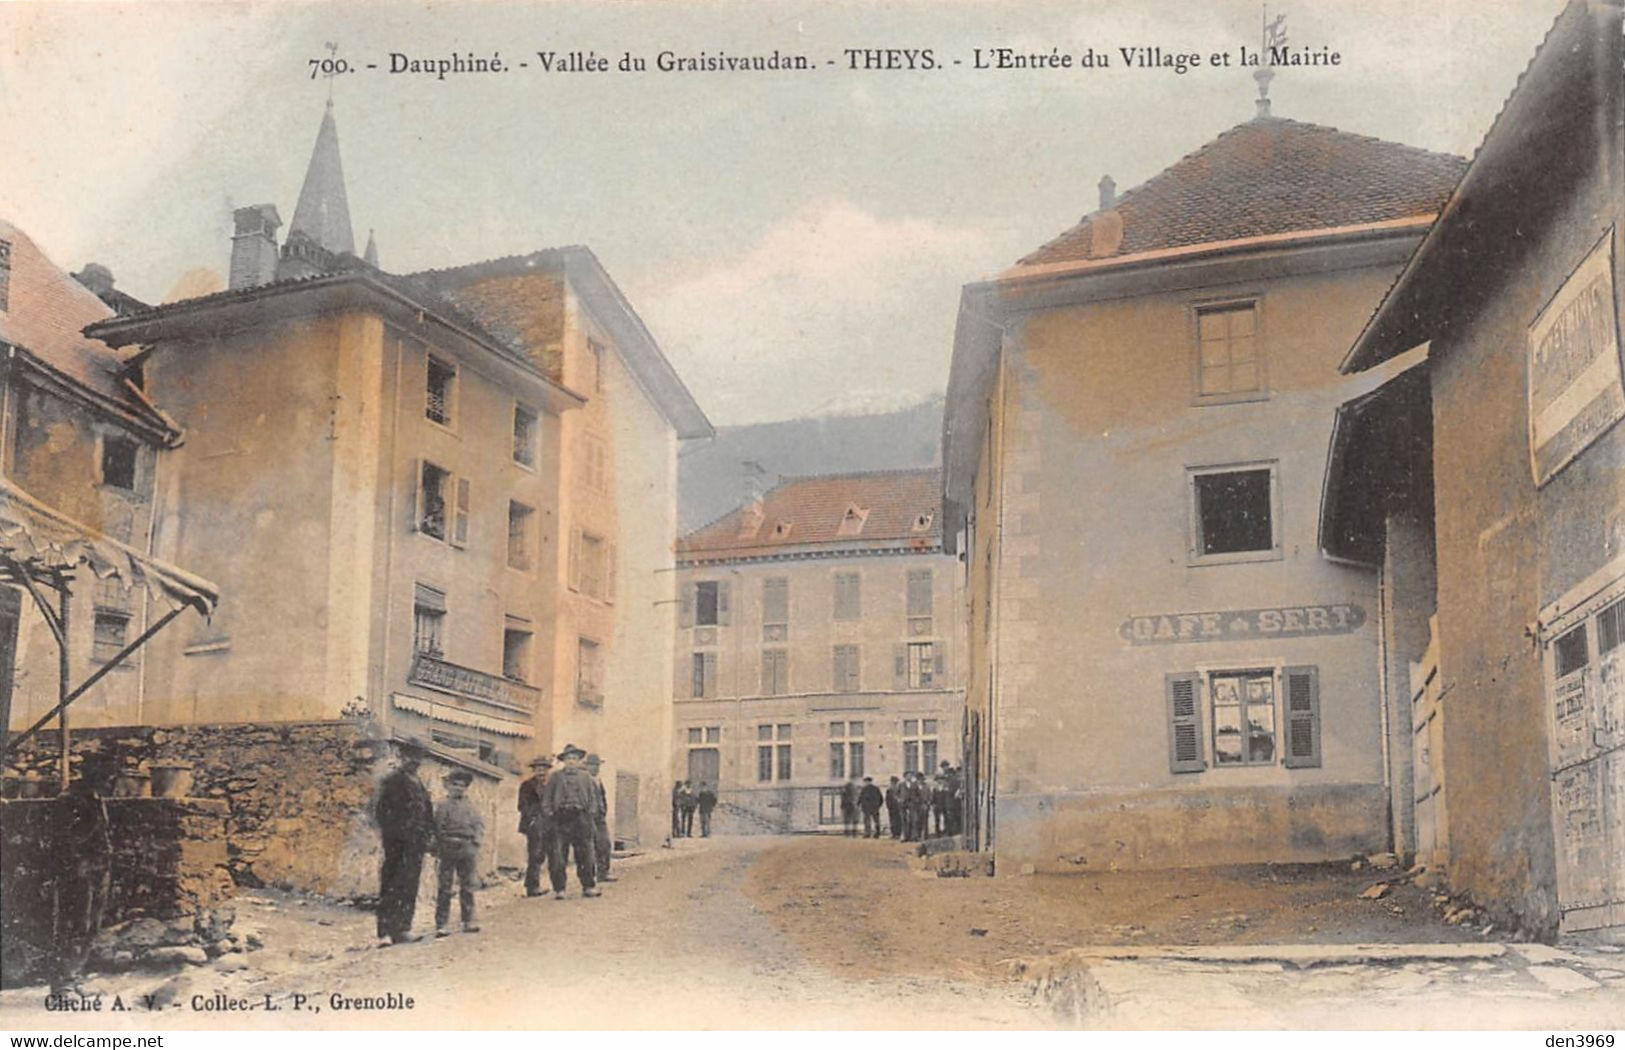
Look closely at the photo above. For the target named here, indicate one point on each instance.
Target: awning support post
(63, 671)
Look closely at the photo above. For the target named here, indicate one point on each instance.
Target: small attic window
(782, 529)
(852, 521)
(922, 522)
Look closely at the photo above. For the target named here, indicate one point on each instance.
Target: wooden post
(62, 686)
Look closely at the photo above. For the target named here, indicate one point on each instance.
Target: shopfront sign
(1575, 389)
(1230, 625)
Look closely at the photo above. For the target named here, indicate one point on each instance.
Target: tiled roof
(1267, 176)
(896, 508)
(46, 312)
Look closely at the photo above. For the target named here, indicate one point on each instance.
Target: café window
(1259, 716)
(1228, 365)
(1234, 514)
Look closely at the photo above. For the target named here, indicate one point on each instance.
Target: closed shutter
(723, 613)
(685, 616)
(1302, 717)
(459, 532)
(940, 660)
(575, 560)
(1184, 724)
(900, 667)
(710, 671)
(611, 571)
(417, 496)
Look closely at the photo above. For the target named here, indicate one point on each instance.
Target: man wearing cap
(571, 799)
(869, 801)
(534, 823)
(405, 819)
(458, 829)
(601, 846)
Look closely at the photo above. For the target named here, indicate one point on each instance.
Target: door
(704, 766)
(1427, 752)
(1585, 676)
(626, 808)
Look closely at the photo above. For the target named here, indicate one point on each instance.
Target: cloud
(831, 293)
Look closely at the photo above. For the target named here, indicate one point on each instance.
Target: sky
(795, 240)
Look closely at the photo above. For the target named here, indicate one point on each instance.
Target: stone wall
(168, 892)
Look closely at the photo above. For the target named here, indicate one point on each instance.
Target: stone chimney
(97, 278)
(1108, 192)
(253, 245)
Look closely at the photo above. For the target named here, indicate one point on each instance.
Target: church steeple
(323, 211)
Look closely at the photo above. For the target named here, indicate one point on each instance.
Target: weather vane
(1272, 35)
(332, 68)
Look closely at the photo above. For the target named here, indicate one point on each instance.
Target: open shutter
(611, 570)
(899, 673)
(709, 669)
(722, 604)
(459, 531)
(574, 577)
(1184, 724)
(417, 495)
(1302, 717)
(685, 614)
(940, 662)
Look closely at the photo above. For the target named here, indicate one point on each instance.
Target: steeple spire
(370, 255)
(323, 211)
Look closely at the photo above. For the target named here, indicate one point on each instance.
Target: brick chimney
(1108, 192)
(97, 278)
(253, 245)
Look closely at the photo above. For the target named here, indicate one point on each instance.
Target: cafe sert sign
(1232, 625)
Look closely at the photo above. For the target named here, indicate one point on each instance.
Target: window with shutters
(775, 608)
(923, 660)
(1234, 516)
(707, 603)
(773, 753)
(703, 672)
(440, 392)
(428, 620)
(919, 745)
(848, 596)
(435, 490)
(775, 672)
(846, 675)
(1243, 717)
(919, 602)
(1257, 716)
(520, 518)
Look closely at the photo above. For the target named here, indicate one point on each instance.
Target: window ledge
(1207, 400)
(1196, 561)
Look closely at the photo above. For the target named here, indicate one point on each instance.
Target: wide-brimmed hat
(571, 749)
(460, 776)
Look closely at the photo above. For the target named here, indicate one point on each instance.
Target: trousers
(536, 853)
(573, 831)
(398, 878)
(455, 862)
(871, 824)
(601, 845)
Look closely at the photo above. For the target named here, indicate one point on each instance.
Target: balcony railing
(435, 673)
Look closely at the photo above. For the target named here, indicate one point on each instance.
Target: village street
(819, 932)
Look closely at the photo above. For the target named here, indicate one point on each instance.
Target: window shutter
(837, 666)
(575, 560)
(709, 669)
(611, 553)
(941, 662)
(1184, 724)
(900, 667)
(459, 534)
(854, 676)
(1302, 717)
(685, 614)
(417, 495)
(722, 604)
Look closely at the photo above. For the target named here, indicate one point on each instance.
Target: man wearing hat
(601, 845)
(571, 799)
(534, 823)
(405, 819)
(458, 829)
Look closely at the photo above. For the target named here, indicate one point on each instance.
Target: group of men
(560, 810)
(919, 807)
(685, 802)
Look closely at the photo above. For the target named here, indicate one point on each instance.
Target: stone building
(1164, 670)
(1487, 485)
(375, 468)
(817, 641)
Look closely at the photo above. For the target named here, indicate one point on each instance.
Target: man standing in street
(706, 799)
(405, 819)
(687, 802)
(458, 830)
(870, 801)
(78, 869)
(571, 797)
(894, 809)
(533, 823)
(849, 809)
(601, 845)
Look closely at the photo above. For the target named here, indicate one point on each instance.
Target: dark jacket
(707, 800)
(870, 799)
(571, 787)
(403, 810)
(530, 803)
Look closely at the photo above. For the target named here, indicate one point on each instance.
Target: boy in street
(458, 829)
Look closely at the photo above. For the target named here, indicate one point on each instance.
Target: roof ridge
(495, 262)
(787, 480)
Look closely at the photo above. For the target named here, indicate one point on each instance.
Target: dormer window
(922, 522)
(852, 521)
(782, 530)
